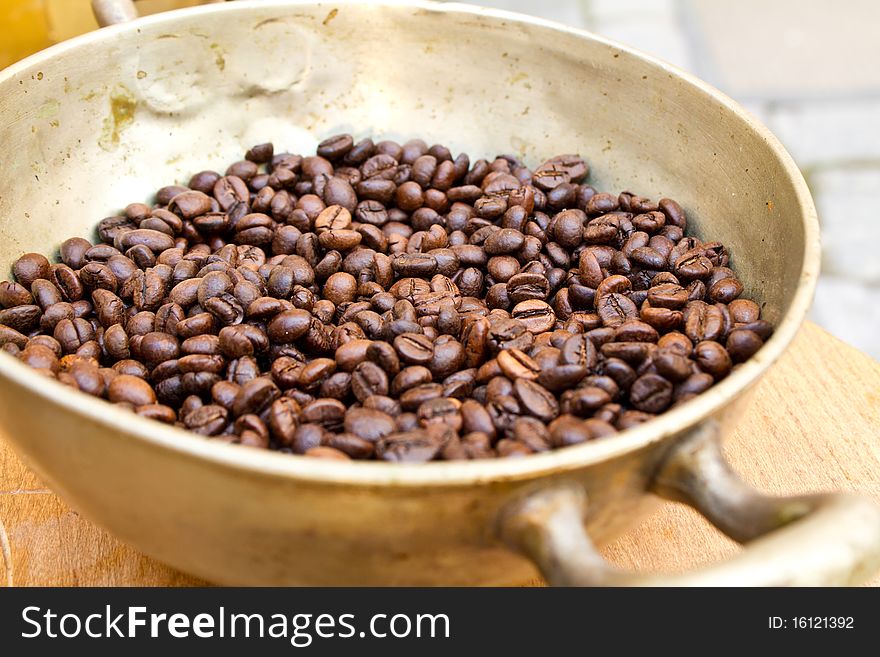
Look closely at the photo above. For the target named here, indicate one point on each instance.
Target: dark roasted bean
(409, 447)
(414, 348)
(536, 400)
(524, 286)
(712, 359)
(702, 321)
(744, 311)
(368, 379)
(742, 344)
(651, 393)
(614, 309)
(388, 301)
(130, 389)
(517, 364)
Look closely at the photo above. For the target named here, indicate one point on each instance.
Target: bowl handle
(111, 12)
(830, 539)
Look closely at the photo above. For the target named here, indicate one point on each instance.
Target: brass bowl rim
(256, 462)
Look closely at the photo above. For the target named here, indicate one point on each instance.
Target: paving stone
(821, 132)
(610, 8)
(849, 310)
(788, 48)
(569, 12)
(846, 201)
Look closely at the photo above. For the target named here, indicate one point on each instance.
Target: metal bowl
(101, 120)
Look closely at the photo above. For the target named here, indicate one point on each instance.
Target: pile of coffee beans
(387, 301)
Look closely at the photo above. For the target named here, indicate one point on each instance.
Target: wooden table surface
(814, 425)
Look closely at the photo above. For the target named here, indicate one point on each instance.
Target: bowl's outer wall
(240, 527)
(106, 122)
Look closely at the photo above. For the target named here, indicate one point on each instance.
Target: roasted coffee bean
(337, 386)
(306, 437)
(9, 336)
(691, 266)
(410, 377)
(30, 267)
(562, 377)
(578, 350)
(15, 294)
(198, 324)
(585, 400)
(409, 447)
(41, 357)
(568, 430)
(288, 326)
(72, 334)
(524, 286)
(207, 420)
(414, 348)
(369, 424)
(633, 330)
(21, 318)
(668, 295)
(448, 357)
(744, 311)
(517, 364)
(397, 296)
(340, 288)
(440, 411)
(351, 354)
(314, 373)
(537, 316)
(108, 307)
(254, 396)
(459, 385)
(475, 418)
(671, 364)
(368, 379)
(241, 340)
(334, 148)
(532, 433)
(535, 399)
(349, 444)
(725, 290)
(703, 321)
(505, 333)
(328, 413)
(382, 403)
(614, 309)
(713, 359)
(418, 395)
(283, 420)
(130, 389)
(762, 328)
(693, 385)
(742, 344)
(651, 393)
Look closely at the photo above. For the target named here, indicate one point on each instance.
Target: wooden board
(814, 425)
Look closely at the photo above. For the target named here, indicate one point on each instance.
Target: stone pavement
(811, 71)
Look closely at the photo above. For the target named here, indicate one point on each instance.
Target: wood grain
(813, 425)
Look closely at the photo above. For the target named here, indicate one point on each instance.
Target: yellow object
(25, 28)
(31, 25)
(68, 18)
